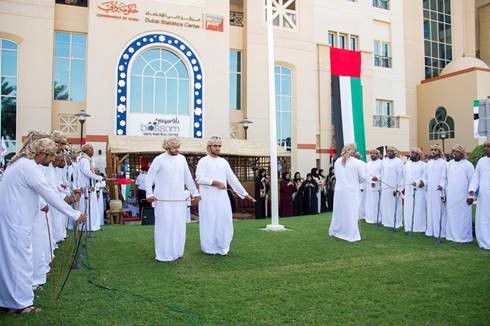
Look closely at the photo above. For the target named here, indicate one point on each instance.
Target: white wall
(30, 24)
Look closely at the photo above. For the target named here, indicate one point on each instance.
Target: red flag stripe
(345, 62)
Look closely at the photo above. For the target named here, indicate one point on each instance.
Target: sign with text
(117, 10)
(149, 124)
(163, 18)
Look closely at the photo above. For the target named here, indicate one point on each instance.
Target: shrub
(477, 153)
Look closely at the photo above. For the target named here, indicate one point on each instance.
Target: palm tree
(8, 110)
(60, 91)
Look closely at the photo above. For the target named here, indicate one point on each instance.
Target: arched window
(159, 83)
(8, 77)
(441, 124)
(283, 105)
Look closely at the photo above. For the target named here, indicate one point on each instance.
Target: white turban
(43, 145)
(34, 147)
(87, 147)
(172, 142)
(215, 140)
(459, 148)
(418, 151)
(392, 148)
(437, 148)
(59, 137)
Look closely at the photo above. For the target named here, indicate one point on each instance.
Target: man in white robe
(170, 174)
(73, 178)
(45, 232)
(436, 194)
(42, 241)
(87, 179)
(21, 186)
(59, 220)
(362, 188)
(215, 216)
(481, 182)
(374, 170)
(140, 185)
(100, 189)
(415, 208)
(459, 222)
(391, 187)
(350, 174)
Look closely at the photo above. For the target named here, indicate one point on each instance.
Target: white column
(275, 226)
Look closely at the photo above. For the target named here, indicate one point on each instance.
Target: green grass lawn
(296, 277)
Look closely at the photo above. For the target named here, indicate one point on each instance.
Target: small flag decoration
(125, 187)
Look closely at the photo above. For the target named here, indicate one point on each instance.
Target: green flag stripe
(358, 116)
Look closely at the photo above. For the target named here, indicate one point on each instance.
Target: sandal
(26, 310)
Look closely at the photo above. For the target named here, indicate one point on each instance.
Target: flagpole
(274, 226)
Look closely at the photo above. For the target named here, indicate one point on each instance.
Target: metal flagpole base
(275, 227)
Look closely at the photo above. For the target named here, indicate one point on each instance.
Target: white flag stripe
(346, 104)
(475, 121)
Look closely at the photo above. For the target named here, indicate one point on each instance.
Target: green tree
(60, 91)
(477, 153)
(8, 109)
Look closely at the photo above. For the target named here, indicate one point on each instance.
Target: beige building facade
(198, 68)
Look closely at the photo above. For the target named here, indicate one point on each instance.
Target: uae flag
(345, 67)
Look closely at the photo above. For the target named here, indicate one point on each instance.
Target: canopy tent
(151, 144)
(126, 154)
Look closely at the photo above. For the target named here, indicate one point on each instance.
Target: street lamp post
(245, 123)
(82, 116)
(443, 136)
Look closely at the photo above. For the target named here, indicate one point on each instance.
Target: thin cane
(77, 248)
(379, 205)
(50, 249)
(396, 208)
(173, 200)
(413, 208)
(443, 200)
(67, 238)
(88, 226)
(83, 227)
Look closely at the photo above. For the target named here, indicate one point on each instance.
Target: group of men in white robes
(437, 195)
(23, 226)
(173, 182)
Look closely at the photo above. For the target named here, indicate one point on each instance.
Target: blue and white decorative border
(151, 39)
